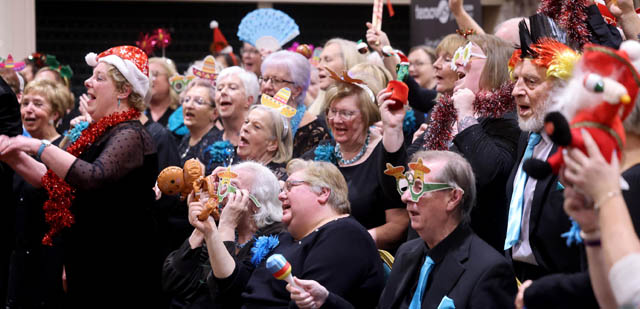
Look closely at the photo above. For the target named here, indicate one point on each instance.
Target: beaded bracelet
(605, 199)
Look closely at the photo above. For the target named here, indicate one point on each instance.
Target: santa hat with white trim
(131, 61)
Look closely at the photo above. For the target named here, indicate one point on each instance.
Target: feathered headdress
(546, 44)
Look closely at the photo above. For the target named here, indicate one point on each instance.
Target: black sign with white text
(431, 20)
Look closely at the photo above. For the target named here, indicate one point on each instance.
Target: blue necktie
(517, 198)
(416, 301)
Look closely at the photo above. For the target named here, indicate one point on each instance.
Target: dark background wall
(71, 29)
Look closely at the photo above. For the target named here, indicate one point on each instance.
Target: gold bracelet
(605, 199)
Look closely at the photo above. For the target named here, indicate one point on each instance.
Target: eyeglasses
(292, 183)
(200, 101)
(418, 188)
(346, 115)
(414, 180)
(464, 55)
(274, 80)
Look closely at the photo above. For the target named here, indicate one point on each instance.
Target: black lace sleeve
(309, 136)
(123, 149)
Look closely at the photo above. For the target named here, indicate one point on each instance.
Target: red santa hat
(220, 44)
(615, 64)
(131, 61)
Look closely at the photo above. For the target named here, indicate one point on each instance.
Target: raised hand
(376, 38)
(207, 227)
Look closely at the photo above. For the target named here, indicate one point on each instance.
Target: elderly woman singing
(99, 187)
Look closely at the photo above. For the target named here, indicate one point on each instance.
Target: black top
(165, 144)
(36, 270)
(420, 99)
(371, 192)
(601, 32)
(340, 255)
(164, 119)
(309, 136)
(186, 271)
(490, 148)
(187, 152)
(111, 246)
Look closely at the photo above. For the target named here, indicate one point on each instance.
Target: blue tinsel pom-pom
(75, 133)
(409, 122)
(573, 235)
(262, 247)
(220, 151)
(325, 153)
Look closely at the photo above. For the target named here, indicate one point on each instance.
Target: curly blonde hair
(122, 84)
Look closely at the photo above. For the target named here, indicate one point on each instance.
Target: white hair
(265, 188)
(249, 80)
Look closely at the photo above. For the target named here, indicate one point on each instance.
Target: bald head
(508, 30)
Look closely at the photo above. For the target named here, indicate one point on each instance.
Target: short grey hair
(296, 65)
(249, 80)
(280, 131)
(265, 188)
(320, 175)
(458, 173)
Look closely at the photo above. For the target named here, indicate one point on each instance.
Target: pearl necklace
(357, 157)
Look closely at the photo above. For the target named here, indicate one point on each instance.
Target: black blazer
(467, 270)
(563, 285)
(547, 221)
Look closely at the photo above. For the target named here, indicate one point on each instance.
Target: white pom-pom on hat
(91, 59)
(213, 24)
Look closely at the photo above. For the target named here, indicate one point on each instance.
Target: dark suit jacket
(467, 270)
(562, 284)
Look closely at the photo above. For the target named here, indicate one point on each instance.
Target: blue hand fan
(267, 29)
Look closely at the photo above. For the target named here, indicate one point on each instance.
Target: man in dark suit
(548, 268)
(449, 266)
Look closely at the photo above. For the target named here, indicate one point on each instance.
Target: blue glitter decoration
(409, 122)
(220, 151)
(75, 133)
(325, 152)
(573, 235)
(262, 247)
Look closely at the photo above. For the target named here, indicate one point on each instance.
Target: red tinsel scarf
(571, 15)
(489, 104)
(61, 194)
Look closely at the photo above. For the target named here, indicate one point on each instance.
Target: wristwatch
(44, 144)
